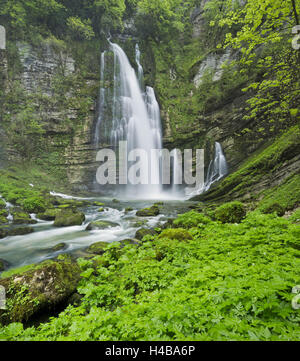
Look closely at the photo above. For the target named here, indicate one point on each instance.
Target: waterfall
(129, 111)
(135, 116)
(217, 169)
(140, 68)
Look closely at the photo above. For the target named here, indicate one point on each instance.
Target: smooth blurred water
(36, 247)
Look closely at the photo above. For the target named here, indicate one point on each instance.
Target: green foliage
(287, 195)
(233, 212)
(80, 29)
(174, 290)
(274, 208)
(161, 19)
(264, 41)
(191, 219)
(22, 123)
(179, 234)
(295, 217)
(85, 18)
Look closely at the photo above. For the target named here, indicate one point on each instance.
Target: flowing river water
(36, 247)
(129, 111)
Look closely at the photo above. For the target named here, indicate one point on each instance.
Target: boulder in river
(40, 288)
(129, 242)
(59, 247)
(19, 231)
(7, 231)
(142, 232)
(99, 204)
(49, 214)
(21, 217)
(98, 248)
(69, 217)
(98, 225)
(148, 212)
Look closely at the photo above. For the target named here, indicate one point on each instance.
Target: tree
(264, 40)
(163, 18)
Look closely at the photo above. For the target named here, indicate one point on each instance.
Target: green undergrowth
(286, 194)
(213, 281)
(27, 185)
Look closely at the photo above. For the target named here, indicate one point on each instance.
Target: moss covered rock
(142, 232)
(69, 217)
(19, 231)
(233, 212)
(139, 223)
(59, 247)
(49, 214)
(39, 289)
(148, 212)
(21, 217)
(98, 225)
(129, 241)
(97, 248)
(10, 231)
(98, 204)
(34, 205)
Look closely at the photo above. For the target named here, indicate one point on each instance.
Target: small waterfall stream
(217, 168)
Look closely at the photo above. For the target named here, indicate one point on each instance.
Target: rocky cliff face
(65, 103)
(63, 81)
(3, 79)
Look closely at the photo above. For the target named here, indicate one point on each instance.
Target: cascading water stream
(129, 111)
(135, 117)
(140, 68)
(217, 169)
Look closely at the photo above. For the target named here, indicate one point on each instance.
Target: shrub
(274, 208)
(191, 219)
(232, 212)
(179, 234)
(295, 217)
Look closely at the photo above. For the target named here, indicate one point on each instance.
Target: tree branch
(295, 12)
